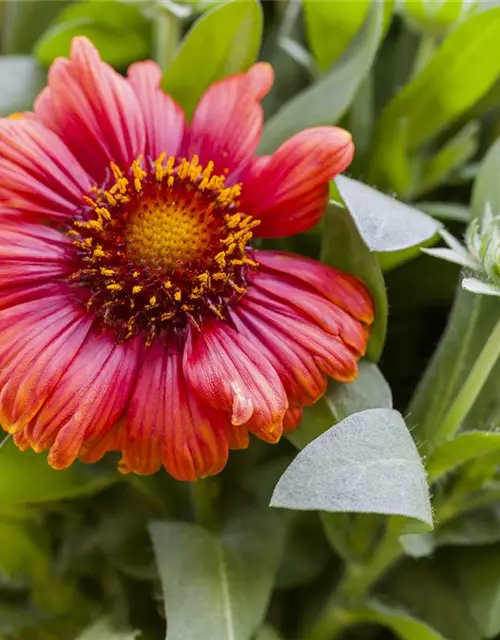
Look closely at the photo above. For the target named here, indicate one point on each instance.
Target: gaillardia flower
(136, 316)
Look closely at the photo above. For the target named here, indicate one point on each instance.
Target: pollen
(161, 245)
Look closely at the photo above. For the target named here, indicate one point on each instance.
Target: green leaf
(452, 155)
(24, 22)
(326, 101)
(344, 19)
(479, 578)
(267, 633)
(368, 391)
(105, 630)
(430, 592)
(465, 447)
(117, 29)
(26, 478)
(464, 68)
(225, 40)
(385, 224)
(486, 188)
(437, 17)
(400, 622)
(20, 81)
(15, 617)
(451, 211)
(343, 247)
(217, 585)
(470, 323)
(368, 463)
(26, 556)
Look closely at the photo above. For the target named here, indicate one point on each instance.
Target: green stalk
(471, 388)
(202, 501)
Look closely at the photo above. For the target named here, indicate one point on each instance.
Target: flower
(483, 244)
(135, 314)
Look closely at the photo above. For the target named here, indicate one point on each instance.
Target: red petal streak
(330, 353)
(344, 290)
(225, 370)
(39, 173)
(88, 400)
(324, 313)
(93, 109)
(42, 355)
(292, 419)
(164, 118)
(227, 124)
(32, 254)
(288, 193)
(167, 424)
(302, 378)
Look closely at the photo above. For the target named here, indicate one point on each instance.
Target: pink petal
(344, 290)
(88, 400)
(32, 254)
(39, 173)
(167, 424)
(292, 419)
(331, 354)
(93, 109)
(288, 190)
(35, 354)
(163, 117)
(227, 124)
(226, 371)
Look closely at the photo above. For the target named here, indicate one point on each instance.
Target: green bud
(483, 244)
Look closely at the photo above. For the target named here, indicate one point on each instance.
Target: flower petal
(327, 315)
(344, 290)
(31, 254)
(35, 353)
(39, 173)
(302, 378)
(88, 400)
(93, 109)
(227, 124)
(331, 354)
(288, 191)
(224, 369)
(167, 424)
(292, 419)
(163, 117)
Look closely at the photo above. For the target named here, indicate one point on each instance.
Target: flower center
(161, 245)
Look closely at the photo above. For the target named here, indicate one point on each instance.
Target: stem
(202, 500)
(471, 388)
(357, 582)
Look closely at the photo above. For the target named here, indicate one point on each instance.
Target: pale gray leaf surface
(368, 463)
(385, 223)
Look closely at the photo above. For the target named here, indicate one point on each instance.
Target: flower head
(135, 314)
(483, 244)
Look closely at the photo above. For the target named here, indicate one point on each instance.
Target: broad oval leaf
(117, 29)
(104, 629)
(324, 18)
(225, 40)
(368, 463)
(326, 101)
(465, 447)
(217, 585)
(385, 224)
(369, 390)
(21, 78)
(342, 246)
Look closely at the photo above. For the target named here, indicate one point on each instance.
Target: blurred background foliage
(418, 84)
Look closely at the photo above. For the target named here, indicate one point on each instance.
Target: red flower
(135, 314)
